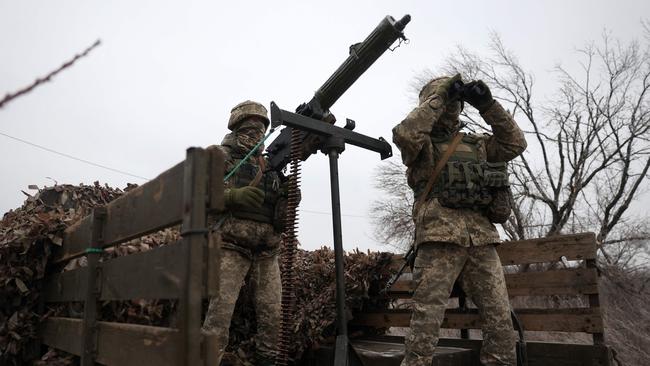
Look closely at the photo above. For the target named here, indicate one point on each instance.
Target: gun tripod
(334, 140)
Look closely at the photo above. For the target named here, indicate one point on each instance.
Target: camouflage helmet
(430, 88)
(246, 109)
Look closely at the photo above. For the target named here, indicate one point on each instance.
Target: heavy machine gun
(362, 56)
(307, 131)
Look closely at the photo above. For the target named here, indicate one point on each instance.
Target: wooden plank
(118, 343)
(76, 239)
(383, 353)
(215, 177)
(123, 344)
(579, 281)
(63, 334)
(539, 353)
(216, 161)
(572, 247)
(211, 348)
(154, 274)
(66, 286)
(136, 345)
(195, 235)
(543, 353)
(153, 206)
(403, 289)
(594, 302)
(586, 320)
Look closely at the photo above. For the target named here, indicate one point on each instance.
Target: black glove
(447, 89)
(478, 95)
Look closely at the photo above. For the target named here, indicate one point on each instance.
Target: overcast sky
(168, 73)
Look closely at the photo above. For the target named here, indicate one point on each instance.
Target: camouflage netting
(28, 234)
(365, 274)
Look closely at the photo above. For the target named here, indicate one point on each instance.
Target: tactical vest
(466, 181)
(269, 184)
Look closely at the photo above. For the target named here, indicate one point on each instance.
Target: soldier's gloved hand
(245, 196)
(446, 90)
(478, 95)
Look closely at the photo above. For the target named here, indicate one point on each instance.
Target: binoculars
(459, 90)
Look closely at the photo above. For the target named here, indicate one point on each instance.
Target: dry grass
(627, 315)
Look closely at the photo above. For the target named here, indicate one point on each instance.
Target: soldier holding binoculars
(460, 184)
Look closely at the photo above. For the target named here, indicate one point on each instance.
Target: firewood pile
(28, 235)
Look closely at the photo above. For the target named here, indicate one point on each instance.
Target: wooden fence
(186, 271)
(578, 280)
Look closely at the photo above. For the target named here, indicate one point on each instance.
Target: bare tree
(392, 215)
(589, 148)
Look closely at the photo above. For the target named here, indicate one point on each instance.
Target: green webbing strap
(94, 250)
(242, 161)
(250, 153)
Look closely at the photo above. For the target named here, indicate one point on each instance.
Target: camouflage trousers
(437, 266)
(265, 280)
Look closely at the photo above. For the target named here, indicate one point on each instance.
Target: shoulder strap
(260, 171)
(441, 163)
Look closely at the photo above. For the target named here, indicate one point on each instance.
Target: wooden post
(194, 233)
(594, 302)
(215, 205)
(93, 288)
(462, 305)
(594, 299)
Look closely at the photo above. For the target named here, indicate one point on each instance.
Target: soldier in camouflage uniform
(454, 237)
(249, 234)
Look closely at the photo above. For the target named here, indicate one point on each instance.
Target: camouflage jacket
(238, 233)
(433, 222)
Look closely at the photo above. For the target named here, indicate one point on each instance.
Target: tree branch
(11, 96)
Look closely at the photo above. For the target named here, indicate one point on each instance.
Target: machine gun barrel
(362, 56)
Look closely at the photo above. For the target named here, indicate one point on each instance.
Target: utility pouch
(495, 177)
(498, 211)
(280, 214)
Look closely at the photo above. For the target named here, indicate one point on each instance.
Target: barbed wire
(11, 96)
